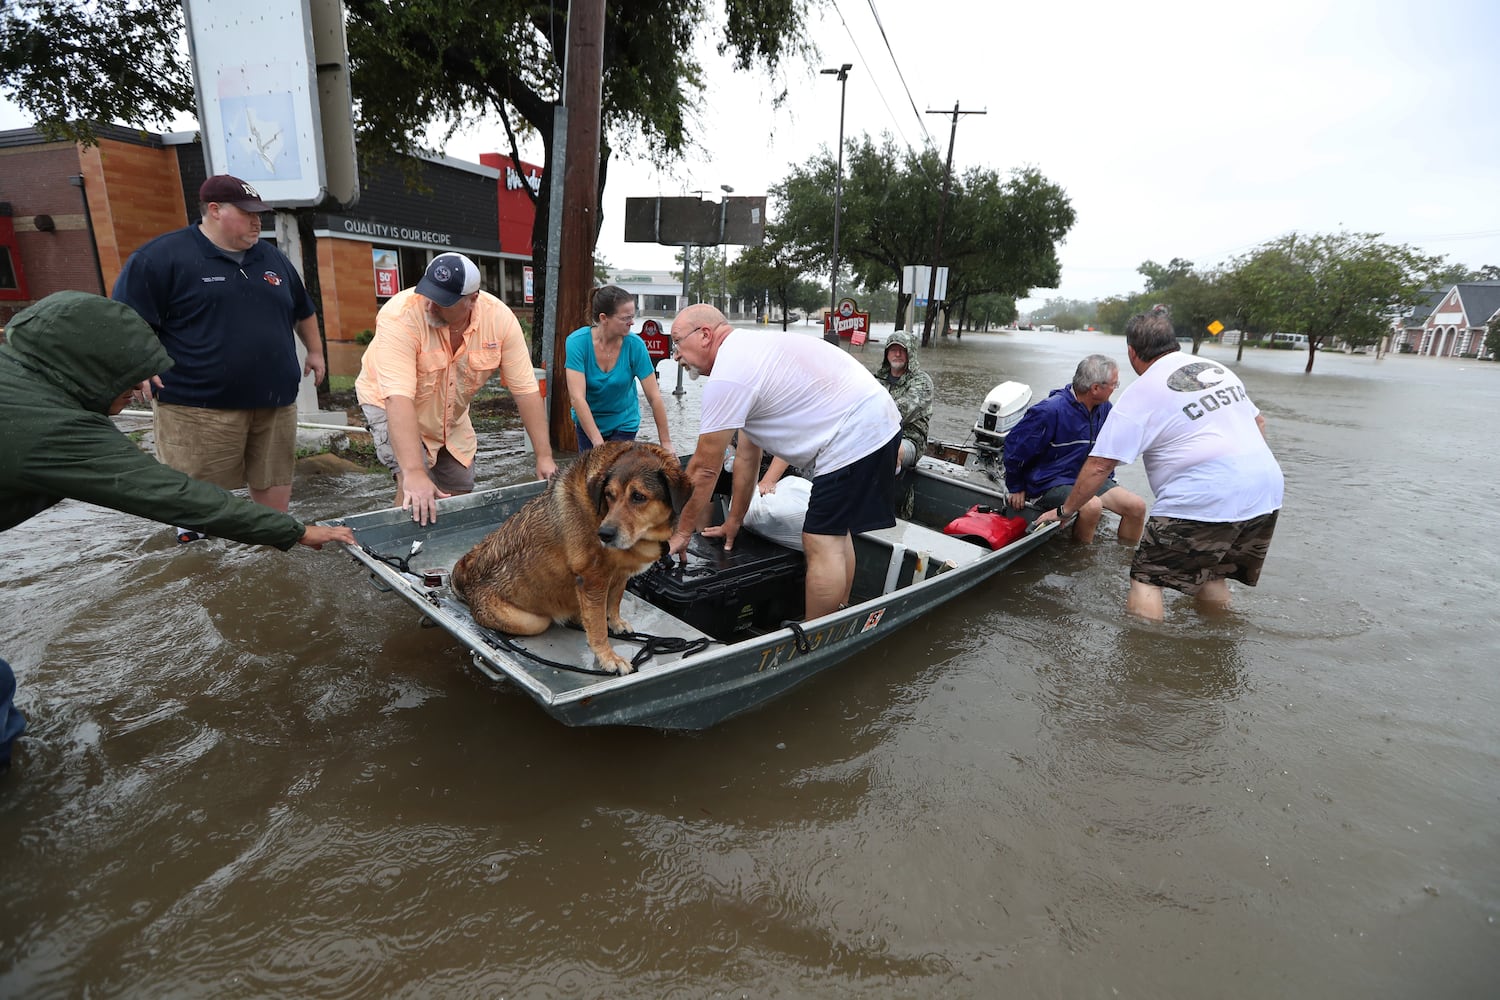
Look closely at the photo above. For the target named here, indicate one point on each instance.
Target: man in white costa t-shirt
(805, 401)
(1218, 488)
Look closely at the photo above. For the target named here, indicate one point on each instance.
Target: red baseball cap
(228, 190)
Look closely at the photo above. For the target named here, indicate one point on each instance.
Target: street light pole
(838, 191)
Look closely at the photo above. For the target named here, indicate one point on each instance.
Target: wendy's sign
(848, 322)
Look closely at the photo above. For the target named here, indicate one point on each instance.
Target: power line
(899, 75)
(873, 76)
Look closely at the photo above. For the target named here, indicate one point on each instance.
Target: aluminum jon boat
(722, 632)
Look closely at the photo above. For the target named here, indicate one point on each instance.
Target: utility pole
(582, 84)
(937, 242)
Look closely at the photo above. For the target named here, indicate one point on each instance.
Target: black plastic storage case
(752, 588)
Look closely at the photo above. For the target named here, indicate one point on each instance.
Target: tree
(809, 296)
(1114, 312)
(70, 64)
(1492, 339)
(1196, 300)
(880, 302)
(1084, 312)
(1330, 285)
(1000, 235)
(413, 65)
(1452, 274)
(990, 309)
(1159, 277)
(772, 266)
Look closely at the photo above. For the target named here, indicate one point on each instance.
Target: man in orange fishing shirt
(435, 345)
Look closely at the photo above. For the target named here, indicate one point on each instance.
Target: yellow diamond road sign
(1215, 328)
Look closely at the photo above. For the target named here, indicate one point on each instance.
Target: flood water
(250, 774)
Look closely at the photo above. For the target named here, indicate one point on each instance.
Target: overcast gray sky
(1188, 129)
(1191, 129)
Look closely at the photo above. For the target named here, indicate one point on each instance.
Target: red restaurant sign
(517, 210)
(848, 322)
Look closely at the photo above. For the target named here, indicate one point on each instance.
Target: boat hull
(902, 574)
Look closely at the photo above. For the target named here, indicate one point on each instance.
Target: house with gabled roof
(1453, 323)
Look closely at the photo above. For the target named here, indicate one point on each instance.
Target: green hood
(90, 347)
(907, 340)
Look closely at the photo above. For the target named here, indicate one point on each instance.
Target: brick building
(1453, 322)
(71, 214)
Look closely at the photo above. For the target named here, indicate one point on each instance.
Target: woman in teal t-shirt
(604, 361)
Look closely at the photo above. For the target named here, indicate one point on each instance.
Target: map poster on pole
(257, 88)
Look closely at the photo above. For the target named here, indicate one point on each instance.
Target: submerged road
(250, 774)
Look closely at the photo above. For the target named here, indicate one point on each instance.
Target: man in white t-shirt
(1218, 488)
(808, 402)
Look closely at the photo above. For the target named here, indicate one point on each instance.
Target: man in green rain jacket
(67, 365)
(912, 389)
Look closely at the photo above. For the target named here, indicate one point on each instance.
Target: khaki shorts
(229, 448)
(447, 473)
(1184, 555)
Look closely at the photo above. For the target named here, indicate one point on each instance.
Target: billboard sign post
(256, 71)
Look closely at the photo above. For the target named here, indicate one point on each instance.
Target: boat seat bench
(933, 551)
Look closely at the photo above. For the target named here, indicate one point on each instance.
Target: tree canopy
(71, 64)
(1160, 277)
(1326, 285)
(1000, 234)
(414, 65)
(774, 267)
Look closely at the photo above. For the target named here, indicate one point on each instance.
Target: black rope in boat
(500, 640)
(651, 646)
(799, 637)
(396, 562)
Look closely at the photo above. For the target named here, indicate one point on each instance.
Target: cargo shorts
(1184, 555)
(229, 448)
(447, 473)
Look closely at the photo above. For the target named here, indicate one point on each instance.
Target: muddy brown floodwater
(249, 774)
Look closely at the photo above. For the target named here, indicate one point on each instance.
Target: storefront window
(489, 267)
(515, 292)
(414, 261)
(12, 277)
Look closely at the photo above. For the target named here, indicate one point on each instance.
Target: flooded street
(250, 774)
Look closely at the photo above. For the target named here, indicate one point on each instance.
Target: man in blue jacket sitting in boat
(1045, 450)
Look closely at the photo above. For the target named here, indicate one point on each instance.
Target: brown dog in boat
(566, 555)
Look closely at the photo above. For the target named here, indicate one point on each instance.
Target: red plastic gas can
(987, 525)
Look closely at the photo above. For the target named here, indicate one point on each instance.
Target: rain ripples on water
(251, 774)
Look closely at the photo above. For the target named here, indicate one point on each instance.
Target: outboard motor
(1001, 410)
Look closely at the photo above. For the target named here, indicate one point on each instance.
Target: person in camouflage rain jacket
(912, 389)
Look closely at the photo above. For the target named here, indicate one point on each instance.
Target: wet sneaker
(185, 535)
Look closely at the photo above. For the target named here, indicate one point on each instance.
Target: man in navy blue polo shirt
(225, 304)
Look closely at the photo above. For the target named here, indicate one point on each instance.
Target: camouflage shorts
(1184, 555)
